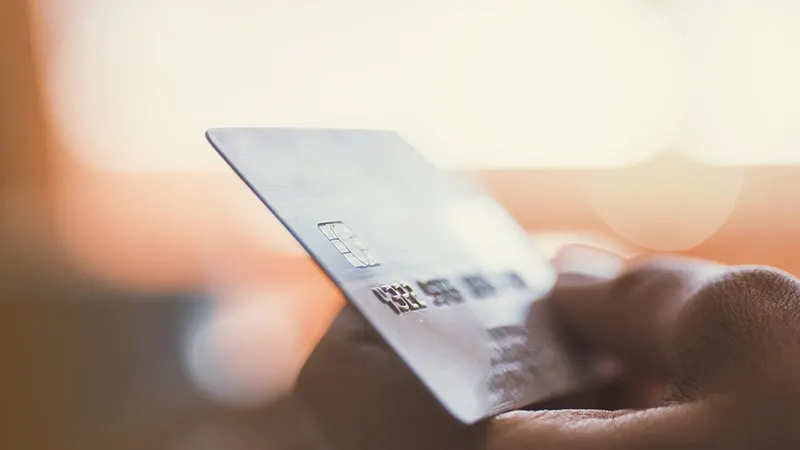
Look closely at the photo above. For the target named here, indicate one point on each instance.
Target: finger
(630, 315)
(629, 392)
(632, 392)
(733, 339)
(686, 427)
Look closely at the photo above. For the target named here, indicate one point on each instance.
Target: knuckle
(750, 297)
(737, 326)
(771, 287)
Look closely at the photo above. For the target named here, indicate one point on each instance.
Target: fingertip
(589, 262)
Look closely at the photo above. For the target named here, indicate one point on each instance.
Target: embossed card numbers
(440, 270)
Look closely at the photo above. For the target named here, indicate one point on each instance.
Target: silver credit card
(442, 271)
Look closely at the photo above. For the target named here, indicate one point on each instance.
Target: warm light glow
(554, 84)
(512, 83)
(668, 204)
(745, 65)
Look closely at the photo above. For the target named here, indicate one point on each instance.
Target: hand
(711, 356)
(721, 345)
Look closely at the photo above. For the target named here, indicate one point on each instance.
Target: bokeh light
(744, 60)
(574, 83)
(667, 204)
(514, 84)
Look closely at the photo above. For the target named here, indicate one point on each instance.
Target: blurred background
(634, 125)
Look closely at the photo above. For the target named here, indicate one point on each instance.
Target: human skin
(710, 355)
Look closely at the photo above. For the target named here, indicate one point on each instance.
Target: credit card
(438, 267)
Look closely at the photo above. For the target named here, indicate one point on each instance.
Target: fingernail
(588, 262)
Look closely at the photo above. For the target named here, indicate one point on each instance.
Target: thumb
(721, 335)
(631, 311)
(685, 426)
